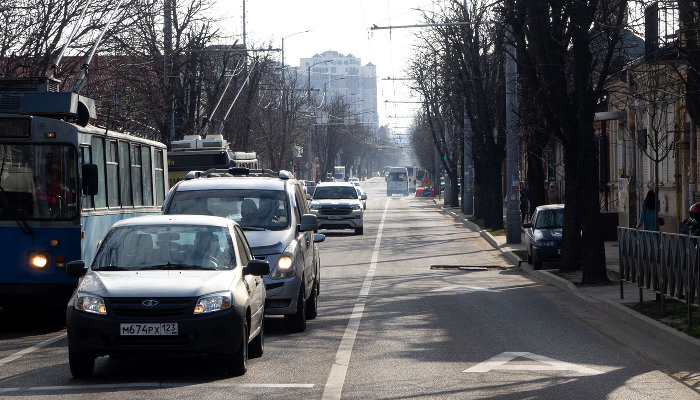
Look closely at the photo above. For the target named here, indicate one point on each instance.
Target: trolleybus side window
(112, 167)
(147, 176)
(124, 175)
(160, 177)
(136, 174)
(98, 158)
(86, 158)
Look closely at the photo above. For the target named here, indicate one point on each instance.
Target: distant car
(168, 284)
(272, 210)
(338, 205)
(353, 180)
(543, 235)
(310, 186)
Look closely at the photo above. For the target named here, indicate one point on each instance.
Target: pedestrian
(647, 216)
(524, 203)
(553, 194)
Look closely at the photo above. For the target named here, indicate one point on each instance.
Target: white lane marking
(499, 361)
(14, 356)
(463, 288)
(336, 379)
(158, 385)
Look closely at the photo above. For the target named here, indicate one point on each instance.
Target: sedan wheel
(81, 365)
(239, 364)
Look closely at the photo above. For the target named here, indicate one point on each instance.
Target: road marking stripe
(499, 363)
(13, 357)
(157, 385)
(336, 379)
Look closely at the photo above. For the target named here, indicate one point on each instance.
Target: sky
(343, 26)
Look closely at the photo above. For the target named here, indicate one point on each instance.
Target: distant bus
(195, 153)
(339, 172)
(62, 185)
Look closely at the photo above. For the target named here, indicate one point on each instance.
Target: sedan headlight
(356, 206)
(284, 268)
(211, 303)
(313, 206)
(90, 303)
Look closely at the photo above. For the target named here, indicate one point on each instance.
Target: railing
(666, 263)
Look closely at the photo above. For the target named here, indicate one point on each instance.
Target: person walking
(647, 216)
(524, 203)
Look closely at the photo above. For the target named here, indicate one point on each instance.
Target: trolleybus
(63, 183)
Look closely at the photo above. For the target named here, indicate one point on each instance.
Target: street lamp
(290, 35)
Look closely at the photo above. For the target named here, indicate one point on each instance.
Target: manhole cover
(464, 267)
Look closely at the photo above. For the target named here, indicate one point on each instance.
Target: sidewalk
(605, 298)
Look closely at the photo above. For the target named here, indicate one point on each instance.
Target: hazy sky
(341, 25)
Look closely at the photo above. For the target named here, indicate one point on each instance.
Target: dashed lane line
(19, 354)
(336, 379)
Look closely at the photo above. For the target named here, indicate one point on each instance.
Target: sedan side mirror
(527, 225)
(363, 197)
(309, 222)
(308, 196)
(257, 268)
(319, 237)
(76, 269)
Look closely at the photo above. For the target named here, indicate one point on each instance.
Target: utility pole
(168, 70)
(244, 41)
(467, 168)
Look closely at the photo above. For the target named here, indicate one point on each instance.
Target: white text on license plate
(335, 217)
(148, 329)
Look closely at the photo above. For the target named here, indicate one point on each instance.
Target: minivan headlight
(211, 303)
(284, 268)
(90, 303)
(356, 206)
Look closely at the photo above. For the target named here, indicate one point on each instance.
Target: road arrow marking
(499, 361)
(463, 288)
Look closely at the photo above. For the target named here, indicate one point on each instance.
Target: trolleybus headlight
(38, 260)
(91, 304)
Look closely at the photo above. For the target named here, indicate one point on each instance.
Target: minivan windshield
(550, 219)
(253, 209)
(162, 247)
(335, 192)
(397, 176)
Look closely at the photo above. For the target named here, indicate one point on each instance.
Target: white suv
(337, 205)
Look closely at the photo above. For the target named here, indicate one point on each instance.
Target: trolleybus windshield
(38, 182)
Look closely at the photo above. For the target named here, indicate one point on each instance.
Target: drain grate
(464, 267)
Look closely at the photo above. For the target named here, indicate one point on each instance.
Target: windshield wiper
(252, 228)
(112, 268)
(175, 266)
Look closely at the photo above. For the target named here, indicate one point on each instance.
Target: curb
(657, 330)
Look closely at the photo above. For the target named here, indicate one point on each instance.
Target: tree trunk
(492, 194)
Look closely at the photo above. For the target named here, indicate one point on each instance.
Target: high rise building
(343, 75)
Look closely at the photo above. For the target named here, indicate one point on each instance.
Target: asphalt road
(390, 327)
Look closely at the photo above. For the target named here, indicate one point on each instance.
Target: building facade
(335, 74)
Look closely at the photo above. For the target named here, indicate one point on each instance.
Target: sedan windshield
(253, 209)
(165, 247)
(335, 192)
(550, 219)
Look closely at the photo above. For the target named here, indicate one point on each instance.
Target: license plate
(148, 329)
(335, 217)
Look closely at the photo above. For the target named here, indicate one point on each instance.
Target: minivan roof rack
(238, 171)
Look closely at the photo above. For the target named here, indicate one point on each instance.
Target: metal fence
(667, 263)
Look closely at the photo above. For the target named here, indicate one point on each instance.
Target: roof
(237, 182)
(551, 207)
(336, 184)
(203, 220)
